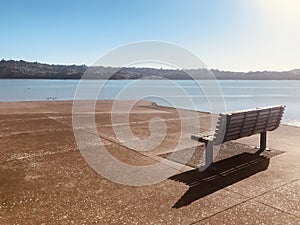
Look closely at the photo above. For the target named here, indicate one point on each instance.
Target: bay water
(205, 95)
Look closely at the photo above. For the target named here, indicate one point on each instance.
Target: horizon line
(69, 64)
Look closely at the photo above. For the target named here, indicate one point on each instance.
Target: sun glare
(284, 13)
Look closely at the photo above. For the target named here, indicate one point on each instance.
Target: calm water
(225, 95)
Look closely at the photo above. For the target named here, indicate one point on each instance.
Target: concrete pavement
(44, 179)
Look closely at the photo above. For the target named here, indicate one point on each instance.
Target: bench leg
(209, 154)
(263, 142)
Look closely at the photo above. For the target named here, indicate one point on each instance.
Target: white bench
(238, 124)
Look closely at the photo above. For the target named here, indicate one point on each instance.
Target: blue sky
(236, 35)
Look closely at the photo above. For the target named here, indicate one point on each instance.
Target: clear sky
(238, 35)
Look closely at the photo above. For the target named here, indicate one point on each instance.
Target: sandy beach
(44, 179)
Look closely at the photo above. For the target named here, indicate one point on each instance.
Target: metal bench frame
(239, 124)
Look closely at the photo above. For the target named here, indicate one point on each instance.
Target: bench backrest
(238, 124)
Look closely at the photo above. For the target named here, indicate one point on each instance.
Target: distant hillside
(11, 69)
(33, 70)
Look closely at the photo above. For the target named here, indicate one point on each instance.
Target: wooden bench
(238, 124)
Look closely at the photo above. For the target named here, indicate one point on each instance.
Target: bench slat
(256, 129)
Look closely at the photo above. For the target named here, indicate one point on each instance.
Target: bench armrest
(203, 137)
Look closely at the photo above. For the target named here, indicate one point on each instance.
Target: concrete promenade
(44, 179)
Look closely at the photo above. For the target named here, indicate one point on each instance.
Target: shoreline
(292, 124)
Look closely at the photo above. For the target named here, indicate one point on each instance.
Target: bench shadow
(219, 175)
